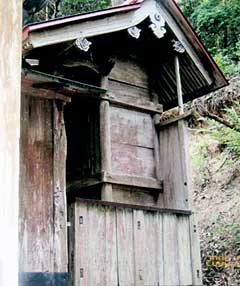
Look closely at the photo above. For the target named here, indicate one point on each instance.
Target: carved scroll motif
(178, 47)
(134, 32)
(83, 44)
(158, 25)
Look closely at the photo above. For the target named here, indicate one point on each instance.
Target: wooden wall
(10, 72)
(127, 246)
(174, 166)
(42, 215)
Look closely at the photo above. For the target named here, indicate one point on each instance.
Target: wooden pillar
(179, 85)
(10, 72)
(105, 142)
(59, 189)
(42, 213)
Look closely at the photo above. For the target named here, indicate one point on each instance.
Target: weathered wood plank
(151, 272)
(131, 127)
(159, 251)
(81, 245)
(133, 103)
(125, 247)
(173, 167)
(164, 123)
(137, 207)
(133, 160)
(195, 252)
(184, 251)
(170, 250)
(133, 181)
(111, 247)
(96, 246)
(134, 195)
(139, 247)
(129, 71)
(59, 189)
(36, 187)
(27, 88)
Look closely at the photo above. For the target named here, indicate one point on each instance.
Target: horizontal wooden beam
(44, 80)
(104, 177)
(149, 107)
(27, 88)
(137, 207)
(134, 181)
(83, 183)
(160, 124)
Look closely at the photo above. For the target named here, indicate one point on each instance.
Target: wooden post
(105, 141)
(179, 85)
(59, 191)
(10, 72)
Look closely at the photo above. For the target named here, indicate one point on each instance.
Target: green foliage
(70, 7)
(226, 65)
(227, 136)
(218, 24)
(200, 159)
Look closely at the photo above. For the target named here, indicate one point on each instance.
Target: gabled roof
(198, 65)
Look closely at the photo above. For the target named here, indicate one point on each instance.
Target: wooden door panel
(118, 246)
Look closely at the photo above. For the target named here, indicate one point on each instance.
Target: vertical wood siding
(42, 215)
(123, 246)
(173, 166)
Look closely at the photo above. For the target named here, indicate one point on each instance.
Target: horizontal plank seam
(137, 207)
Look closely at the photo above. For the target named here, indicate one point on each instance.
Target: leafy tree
(218, 24)
(59, 8)
(69, 7)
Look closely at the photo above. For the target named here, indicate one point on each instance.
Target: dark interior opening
(83, 143)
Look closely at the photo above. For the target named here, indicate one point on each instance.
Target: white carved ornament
(83, 44)
(158, 24)
(178, 47)
(134, 32)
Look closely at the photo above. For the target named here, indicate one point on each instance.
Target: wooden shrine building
(104, 182)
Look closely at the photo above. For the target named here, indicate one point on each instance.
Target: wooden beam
(148, 183)
(149, 107)
(136, 207)
(27, 88)
(44, 80)
(83, 183)
(161, 124)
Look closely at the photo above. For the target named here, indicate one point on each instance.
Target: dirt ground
(216, 200)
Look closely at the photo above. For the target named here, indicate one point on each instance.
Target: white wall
(10, 71)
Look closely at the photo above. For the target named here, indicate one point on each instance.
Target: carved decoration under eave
(158, 25)
(27, 45)
(83, 44)
(178, 47)
(134, 32)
